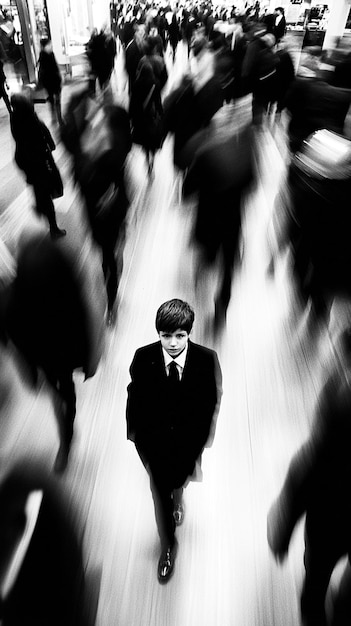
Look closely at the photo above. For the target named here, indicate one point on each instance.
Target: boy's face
(174, 343)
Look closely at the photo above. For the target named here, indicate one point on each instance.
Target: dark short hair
(174, 314)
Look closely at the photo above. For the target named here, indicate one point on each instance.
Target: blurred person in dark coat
(279, 24)
(44, 578)
(174, 34)
(134, 51)
(34, 145)
(317, 485)
(99, 141)
(221, 172)
(224, 64)
(49, 77)
(258, 72)
(146, 112)
(101, 52)
(313, 103)
(285, 76)
(156, 61)
(172, 407)
(191, 106)
(53, 320)
(102, 182)
(3, 86)
(313, 218)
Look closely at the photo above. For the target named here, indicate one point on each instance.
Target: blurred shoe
(178, 514)
(57, 232)
(166, 563)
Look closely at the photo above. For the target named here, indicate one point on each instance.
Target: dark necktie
(173, 375)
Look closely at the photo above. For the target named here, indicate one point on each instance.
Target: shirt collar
(180, 359)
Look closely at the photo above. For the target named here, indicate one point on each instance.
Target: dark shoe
(178, 514)
(166, 563)
(59, 232)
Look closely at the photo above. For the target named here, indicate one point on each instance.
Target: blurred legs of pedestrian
(45, 206)
(55, 105)
(65, 411)
(5, 97)
(110, 270)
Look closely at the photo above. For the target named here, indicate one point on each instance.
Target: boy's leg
(178, 506)
(163, 503)
(162, 495)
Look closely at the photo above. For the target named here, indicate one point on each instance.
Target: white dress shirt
(179, 361)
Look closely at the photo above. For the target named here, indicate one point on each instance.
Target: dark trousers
(263, 94)
(45, 205)
(5, 97)
(109, 267)
(162, 494)
(65, 406)
(55, 105)
(162, 488)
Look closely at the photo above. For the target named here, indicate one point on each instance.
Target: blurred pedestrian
(279, 28)
(102, 182)
(317, 485)
(313, 102)
(53, 320)
(156, 61)
(44, 578)
(49, 76)
(174, 35)
(191, 106)
(221, 172)
(33, 155)
(259, 71)
(146, 112)
(3, 88)
(134, 51)
(101, 52)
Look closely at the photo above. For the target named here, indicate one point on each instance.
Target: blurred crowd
(47, 311)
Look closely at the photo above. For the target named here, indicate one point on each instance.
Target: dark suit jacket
(133, 55)
(187, 112)
(166, 428)
(279, 29)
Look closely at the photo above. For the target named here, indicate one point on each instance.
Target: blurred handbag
(54, 177)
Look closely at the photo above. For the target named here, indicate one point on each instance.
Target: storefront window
(77, 21)
(41, 18)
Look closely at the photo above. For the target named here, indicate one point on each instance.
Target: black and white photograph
(175, 313)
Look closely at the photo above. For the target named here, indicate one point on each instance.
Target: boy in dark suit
(173, 401)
